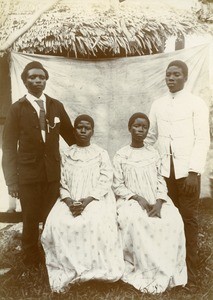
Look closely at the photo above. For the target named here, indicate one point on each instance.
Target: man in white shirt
(179, 124)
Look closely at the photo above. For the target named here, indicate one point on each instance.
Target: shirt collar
(32, 98)
(177, 94)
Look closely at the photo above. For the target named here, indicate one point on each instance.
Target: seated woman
(80, 238)
(151, 226)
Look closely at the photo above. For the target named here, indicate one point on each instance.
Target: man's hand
(13, 190)
(191, 183)
(155, 210)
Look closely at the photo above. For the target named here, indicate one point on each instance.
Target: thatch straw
(93, 30)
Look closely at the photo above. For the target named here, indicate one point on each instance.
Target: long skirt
(154, 248)
(82, 248)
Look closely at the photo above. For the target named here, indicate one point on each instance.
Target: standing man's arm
(9, 147)
(153, 129)
(201, 145)
(66, 128)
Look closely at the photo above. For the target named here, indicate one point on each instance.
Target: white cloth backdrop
(110, 90)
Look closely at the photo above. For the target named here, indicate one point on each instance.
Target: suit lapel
(49, 116)
(48, 107)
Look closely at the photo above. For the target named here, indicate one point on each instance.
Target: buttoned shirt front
(179, 124)
(32, 99)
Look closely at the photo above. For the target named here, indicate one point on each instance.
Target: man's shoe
(29, 271)
(191, 287)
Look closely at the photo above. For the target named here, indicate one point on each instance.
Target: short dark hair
(179, 64)
(135, 116)
(33, 65)
(84, 117)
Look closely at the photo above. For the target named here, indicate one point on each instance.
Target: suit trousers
(36, 199)
(188, 208)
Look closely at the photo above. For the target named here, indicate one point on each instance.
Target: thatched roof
(94, 28)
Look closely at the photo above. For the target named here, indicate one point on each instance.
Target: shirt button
(37, 127)
(45, 155)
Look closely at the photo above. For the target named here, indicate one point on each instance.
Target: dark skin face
(35, 82)
(139, 130)
(83, 133)
(175, 79)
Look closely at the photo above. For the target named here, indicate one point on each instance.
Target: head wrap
(135, 116)
(179, 64)
(84, 118)
(33, 65)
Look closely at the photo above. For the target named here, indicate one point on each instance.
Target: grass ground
(34, 285)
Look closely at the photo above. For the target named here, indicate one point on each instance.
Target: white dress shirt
(179, 121)
(32, 99)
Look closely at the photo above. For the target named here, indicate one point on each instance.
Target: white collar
(177, 94)
(32, 98)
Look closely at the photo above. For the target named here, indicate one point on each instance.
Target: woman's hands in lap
(155, 210)
(142, 202)
(77, 207)
(152, 210)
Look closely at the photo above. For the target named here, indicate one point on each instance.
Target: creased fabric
(154, 248)
(111, 90)
(180, 122)
(86, 247)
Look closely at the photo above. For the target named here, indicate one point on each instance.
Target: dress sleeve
(162, 192)
(119, 186)
(105, 179)
(64, 188)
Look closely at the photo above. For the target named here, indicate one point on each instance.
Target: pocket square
(56, 120)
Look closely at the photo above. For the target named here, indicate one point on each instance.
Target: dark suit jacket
(26, 158)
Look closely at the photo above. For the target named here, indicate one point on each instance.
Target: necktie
(42, 118)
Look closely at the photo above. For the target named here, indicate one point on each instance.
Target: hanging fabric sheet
(110, 90)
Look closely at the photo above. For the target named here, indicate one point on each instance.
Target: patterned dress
(154, 248)
(85, 247)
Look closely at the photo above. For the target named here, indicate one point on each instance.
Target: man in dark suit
(31, 158)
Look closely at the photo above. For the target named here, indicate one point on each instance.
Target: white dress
(154, 248)
(86, 247)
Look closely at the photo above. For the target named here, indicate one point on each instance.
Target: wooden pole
(16, 34)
